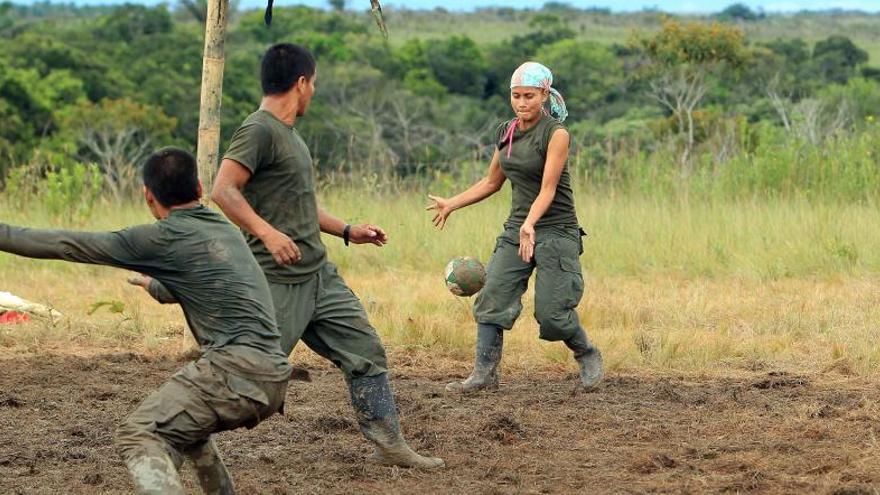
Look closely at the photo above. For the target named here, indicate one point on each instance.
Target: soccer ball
(465, 276)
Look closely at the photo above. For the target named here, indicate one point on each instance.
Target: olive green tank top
(523, 165)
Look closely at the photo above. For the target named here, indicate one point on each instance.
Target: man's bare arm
(230, 180)
(330, 224)
(358, 234)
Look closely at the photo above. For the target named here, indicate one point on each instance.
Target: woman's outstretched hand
(442, 209)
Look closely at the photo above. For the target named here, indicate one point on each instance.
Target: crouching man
(202, 262)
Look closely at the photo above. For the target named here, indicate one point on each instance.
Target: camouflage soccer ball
(465, 276)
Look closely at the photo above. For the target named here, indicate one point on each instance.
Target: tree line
(104, 85)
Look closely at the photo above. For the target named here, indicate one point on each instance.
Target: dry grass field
(740, 340)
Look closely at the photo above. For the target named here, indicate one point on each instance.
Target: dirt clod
(11, 401)
(504, 429)
(780, 379)
(93, 479)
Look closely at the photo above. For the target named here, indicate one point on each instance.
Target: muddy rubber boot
(376, 413)
(154, 474)
(588, 357)
(210, 470)
(490, 341)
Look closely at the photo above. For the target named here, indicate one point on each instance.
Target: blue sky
(617, 5)
(666, 5)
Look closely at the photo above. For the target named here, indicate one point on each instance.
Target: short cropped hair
(172, 176)
(283, 64)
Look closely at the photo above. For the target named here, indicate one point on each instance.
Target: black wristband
(345, 233)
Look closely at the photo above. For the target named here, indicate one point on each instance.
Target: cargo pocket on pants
(255, 403)
(572, 289)
(181, 427)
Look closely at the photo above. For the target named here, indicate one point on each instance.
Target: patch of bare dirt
(756, 431)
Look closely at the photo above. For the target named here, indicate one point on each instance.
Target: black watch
(345, 233)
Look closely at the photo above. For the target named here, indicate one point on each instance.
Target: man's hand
(443, 209)
(153, 287)
(526, 242)
(282, 248)
(367, 234)
(140, 280)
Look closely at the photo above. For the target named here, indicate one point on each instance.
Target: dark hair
(283, 64)
(172, 176)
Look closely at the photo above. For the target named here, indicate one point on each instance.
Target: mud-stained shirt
(281, 190)
(205, 265)
(525, 170)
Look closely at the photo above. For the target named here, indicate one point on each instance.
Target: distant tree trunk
(117, 152)
(212, 91)
(681, 90)
(780, 104)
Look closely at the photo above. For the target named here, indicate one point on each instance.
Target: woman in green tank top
(541, 233)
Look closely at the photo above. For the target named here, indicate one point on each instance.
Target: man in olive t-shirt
(281, 188)
(266, 186)
(202, 262)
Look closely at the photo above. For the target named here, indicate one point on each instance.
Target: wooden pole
(212, 92)
(376, 9)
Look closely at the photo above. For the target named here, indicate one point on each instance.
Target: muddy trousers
(154, 469)
(177, 421)
(326, 315)
(559, 284)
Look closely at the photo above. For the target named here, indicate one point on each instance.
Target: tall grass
(672, 284)
(641, 237)
(767, 258)
(764, 164)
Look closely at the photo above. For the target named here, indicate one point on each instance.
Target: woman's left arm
(557, 153)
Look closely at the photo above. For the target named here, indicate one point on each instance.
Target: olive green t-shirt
(203, 262)
(525, 170)
(282, 191)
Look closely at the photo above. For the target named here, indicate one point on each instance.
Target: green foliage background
(794, 115)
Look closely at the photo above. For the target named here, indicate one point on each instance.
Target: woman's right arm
(486, 187)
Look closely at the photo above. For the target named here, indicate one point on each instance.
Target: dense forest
(746, 101)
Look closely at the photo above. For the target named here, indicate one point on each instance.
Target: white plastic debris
(11, 302)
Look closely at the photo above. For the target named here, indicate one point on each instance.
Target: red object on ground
(11, 317)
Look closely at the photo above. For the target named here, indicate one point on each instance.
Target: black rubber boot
(376, 412)
(490, 341)
(588, 357)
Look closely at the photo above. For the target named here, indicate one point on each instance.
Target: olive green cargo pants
(177, 420)
(559, 284)
(325, 314)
